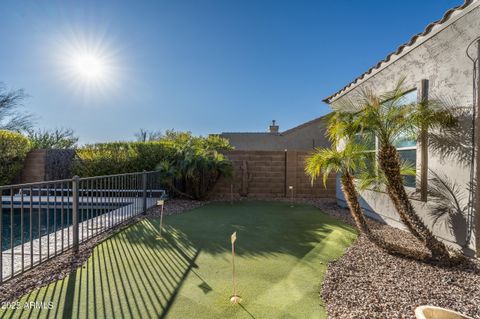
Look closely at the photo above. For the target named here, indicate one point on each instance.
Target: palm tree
(389, 118)
(325, 161)
(11, 119)
(196, 165)
(350, 158)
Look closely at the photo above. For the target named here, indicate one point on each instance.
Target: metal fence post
(144, 187)
(75, 210)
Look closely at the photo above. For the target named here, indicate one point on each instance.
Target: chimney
(273, 128)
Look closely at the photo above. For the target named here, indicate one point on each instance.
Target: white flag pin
(234, 298)
(160, 203)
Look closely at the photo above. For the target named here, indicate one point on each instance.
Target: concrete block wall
(318, 189)
(269, 174)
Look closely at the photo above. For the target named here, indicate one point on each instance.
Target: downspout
(477, 147)
(473, 218)
(285, 173)
(424, 146)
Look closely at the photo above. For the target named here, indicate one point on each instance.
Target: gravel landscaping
(369, 283)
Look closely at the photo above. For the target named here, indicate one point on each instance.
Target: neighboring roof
(247, 133)
(405, 48)
(318, 119)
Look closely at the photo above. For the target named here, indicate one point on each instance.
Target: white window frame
(406, 148)
(410, 189)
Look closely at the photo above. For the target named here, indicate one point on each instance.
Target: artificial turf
(282, 253)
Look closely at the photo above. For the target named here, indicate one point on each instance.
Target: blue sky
(200, 65)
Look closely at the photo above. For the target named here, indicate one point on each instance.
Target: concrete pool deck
(33, 253)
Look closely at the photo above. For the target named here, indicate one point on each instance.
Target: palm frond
(447, 198)
(322, 162)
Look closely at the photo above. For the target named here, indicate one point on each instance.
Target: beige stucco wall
(442, 60)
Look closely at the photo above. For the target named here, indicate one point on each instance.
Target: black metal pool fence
(39, 221)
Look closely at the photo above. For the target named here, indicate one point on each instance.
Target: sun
(89, 67)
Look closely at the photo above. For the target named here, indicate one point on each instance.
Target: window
(369, 141)
(405, 145)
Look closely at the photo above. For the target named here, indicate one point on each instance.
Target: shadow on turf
(149, 274)
(272, 229)
(145, 271)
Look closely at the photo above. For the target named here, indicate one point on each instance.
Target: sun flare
(89, 67)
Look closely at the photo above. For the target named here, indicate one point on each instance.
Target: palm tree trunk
(350, 193)
(390, 164)
(176, 190)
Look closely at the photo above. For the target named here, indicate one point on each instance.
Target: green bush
(189, 166)
(120, 157)
(13, 150)
(196, 166)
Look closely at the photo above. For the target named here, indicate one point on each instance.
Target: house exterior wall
(305, 137)
(440, 59)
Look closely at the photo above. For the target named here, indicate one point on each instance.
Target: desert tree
(12, 118)
(58, 138)
(144, 135)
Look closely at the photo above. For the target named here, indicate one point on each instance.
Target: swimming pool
(33, 222)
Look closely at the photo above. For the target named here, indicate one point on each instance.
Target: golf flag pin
(160, 203)
(235, 299)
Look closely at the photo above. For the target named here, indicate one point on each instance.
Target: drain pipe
(476, 185)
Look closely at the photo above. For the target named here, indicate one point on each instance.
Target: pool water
(43, 221)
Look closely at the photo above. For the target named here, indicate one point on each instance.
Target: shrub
(189, 166)
(13, 150)
(120, 157)
(196, 165)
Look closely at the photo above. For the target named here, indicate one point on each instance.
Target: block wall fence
(46, 165)
(255, 174)
(34, 167)
(270, 174)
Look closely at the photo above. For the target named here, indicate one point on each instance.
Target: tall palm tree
(350, 158)
(389, 118)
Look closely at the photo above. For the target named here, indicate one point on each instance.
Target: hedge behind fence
(13, 151)
(120, 157)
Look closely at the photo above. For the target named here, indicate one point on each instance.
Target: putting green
(282, 253)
